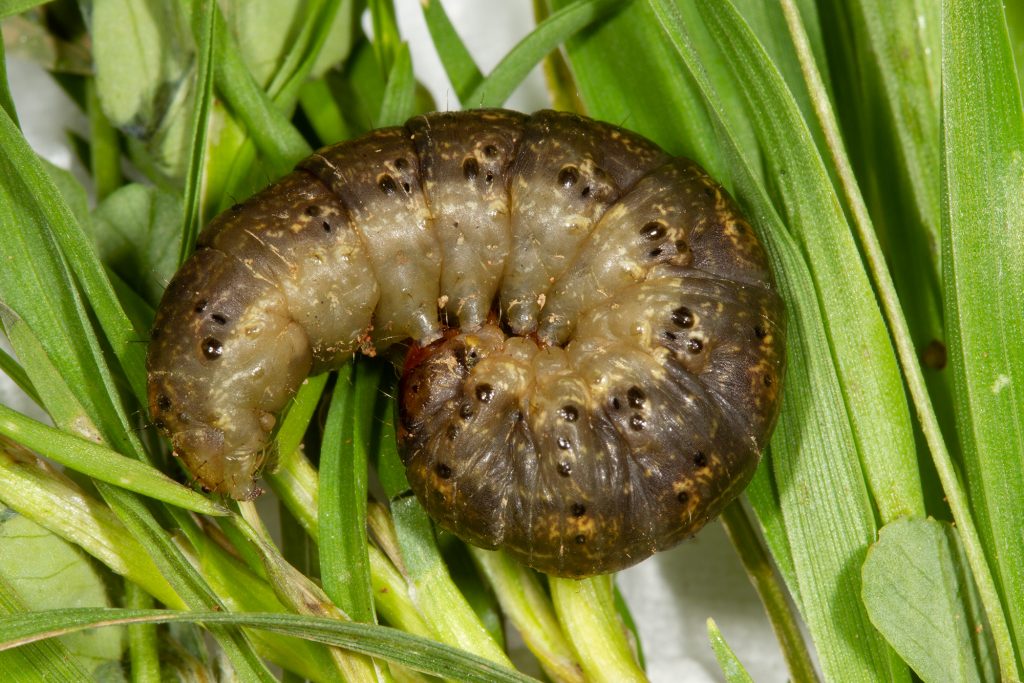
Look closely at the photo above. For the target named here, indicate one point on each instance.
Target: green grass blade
(400, 92)
(676, 118)
(142, 638)
(104, 153)
(101, 463)
(12, 368)
(944, 466)
(828, 535)
(586, 610)
(983, 288)
(731, 666)
(528, 607)
(6, 101)
(759, 569)
(39, 225)
(199, 125)
(269, 128)
(458, 63)
(552, 32)
(300, 413)
(344, 563)
(871, 381)
(379, 641)
(386, 37)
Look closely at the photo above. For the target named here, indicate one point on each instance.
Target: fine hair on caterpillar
(596, 344)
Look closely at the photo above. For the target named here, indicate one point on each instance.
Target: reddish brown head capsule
(605, 367)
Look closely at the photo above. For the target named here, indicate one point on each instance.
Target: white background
(672, 594)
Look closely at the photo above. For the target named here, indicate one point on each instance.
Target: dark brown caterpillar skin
(597, 343)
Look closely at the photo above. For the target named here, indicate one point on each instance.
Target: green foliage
(877, 148)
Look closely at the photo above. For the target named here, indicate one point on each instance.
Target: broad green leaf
(983, 289)
(46, 660)
(49, 573)
(139, 48)
(265, 30)
(142, 54)
(917, 592)
(49, 499)
(731, 666)
(137, 230)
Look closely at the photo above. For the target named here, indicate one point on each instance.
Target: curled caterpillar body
(597, 346)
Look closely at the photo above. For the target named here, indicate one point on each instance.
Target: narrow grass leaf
(101, 463)
(917, 594)
(412, 651)
(199, 125)
(386, 36)
(325, 114)
(731, 666)
(14, 372)
(186, 580)
(826, 534)
(458, 63)
(299, 593)
(586, 610)
(528, 53)
(40, 285)
(870, 378)
(301, 410)
(269, 128)
(104, 151)
(784, 619)
(525, 603)
(143, 645)
(983, 287)
(6, 101)
(400, 92)
(344, 563)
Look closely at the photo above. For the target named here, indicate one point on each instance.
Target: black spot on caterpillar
(596, 343)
